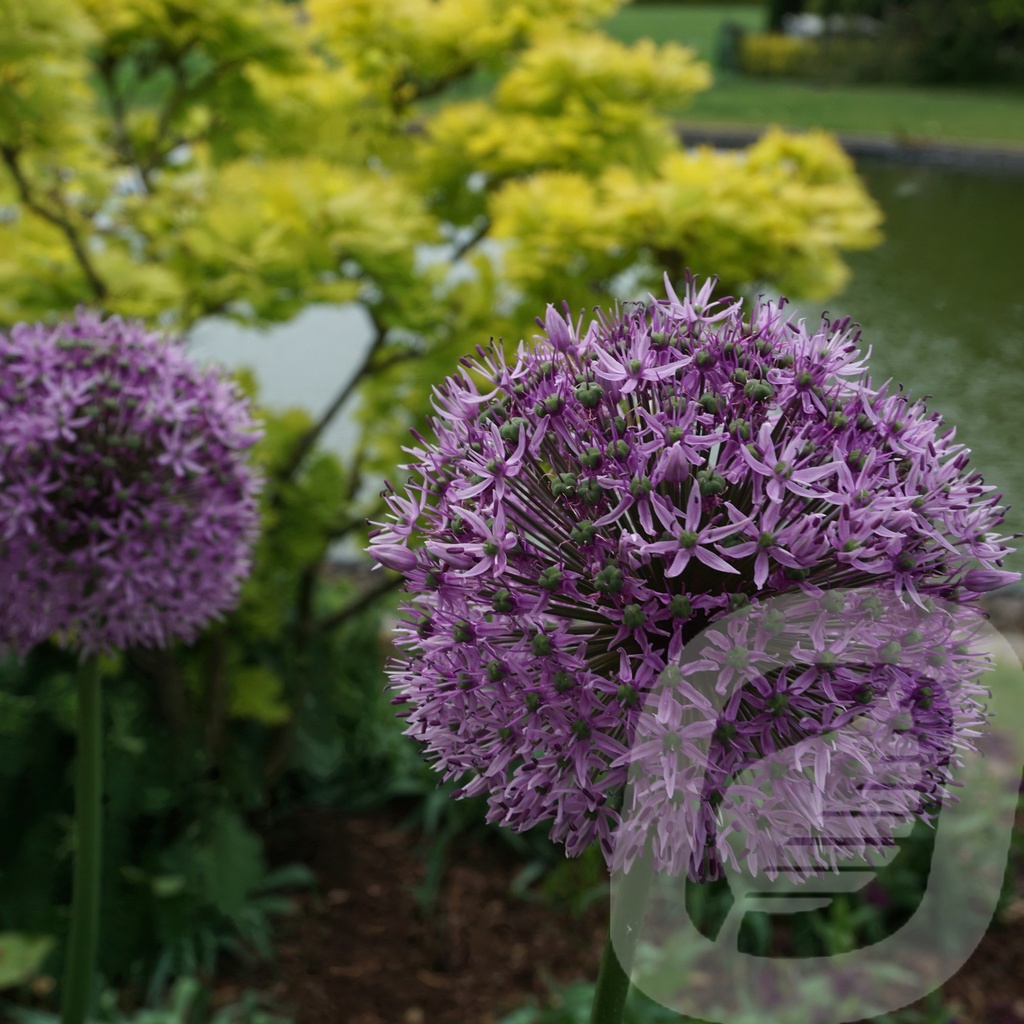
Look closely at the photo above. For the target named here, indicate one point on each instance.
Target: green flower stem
(612, 988)
(85, 909)
(617, 961)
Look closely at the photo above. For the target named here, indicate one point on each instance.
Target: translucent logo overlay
(791, 749)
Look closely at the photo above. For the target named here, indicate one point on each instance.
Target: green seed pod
(633, 616)
(563, 682)
(550, 578)
(710, 482)
(510, 431)
(609, 580)
(738, 657)
(564, 485)
(583, 533)
(625, 694)
(710, 402)
(589, 394)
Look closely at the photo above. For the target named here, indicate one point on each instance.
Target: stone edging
(992, 159)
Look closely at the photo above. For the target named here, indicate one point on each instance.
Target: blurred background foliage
(177, 159)
(933, 42)
(450, 165)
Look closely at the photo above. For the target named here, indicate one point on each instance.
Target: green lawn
(695, 25)
(922, 114)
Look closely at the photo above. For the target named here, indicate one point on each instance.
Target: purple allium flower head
(127, 505)
(802, 730)
(604, 496)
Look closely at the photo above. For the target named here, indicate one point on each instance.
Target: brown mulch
(359, 951)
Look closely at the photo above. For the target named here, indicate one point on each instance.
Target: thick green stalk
(612, 988)
(85, 908)
(617, 960)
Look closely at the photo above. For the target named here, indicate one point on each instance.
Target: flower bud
(981, 581)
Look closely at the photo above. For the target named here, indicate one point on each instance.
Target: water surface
(941, 303)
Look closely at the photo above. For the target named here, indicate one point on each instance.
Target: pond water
(941, 304)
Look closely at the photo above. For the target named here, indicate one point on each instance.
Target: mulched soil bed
(360, 952)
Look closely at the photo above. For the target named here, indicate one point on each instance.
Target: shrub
(191, 159)
(774, 55)
(938, 41)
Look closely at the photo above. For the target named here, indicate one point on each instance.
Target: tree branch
(425, 90)
(122, 143)
(175, 101)
(58, 220)
(477, 236)
(182, 92)
(304, 624)
(395, 358)
(345, 526)
(359, 604)
(310, 438)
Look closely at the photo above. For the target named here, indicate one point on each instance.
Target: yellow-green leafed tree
(452, 165)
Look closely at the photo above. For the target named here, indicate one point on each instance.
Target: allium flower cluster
(800, 731)
(127, 505)
(599, 500)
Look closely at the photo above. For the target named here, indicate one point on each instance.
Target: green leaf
(166, 886)
(15, 713)
(21, 957)
(230, 861)
(290, 876)
(256, 693)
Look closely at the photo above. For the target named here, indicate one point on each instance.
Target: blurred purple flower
(127, 505)
(597, 501)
